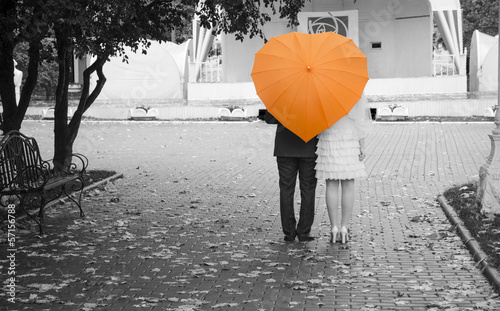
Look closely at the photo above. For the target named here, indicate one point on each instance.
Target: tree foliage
(245, 17)
(47, 69)
(479, 15)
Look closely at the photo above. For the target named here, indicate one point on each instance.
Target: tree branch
(87, 100)
(100, 83)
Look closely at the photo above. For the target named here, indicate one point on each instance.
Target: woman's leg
(332, 201)
(347, 201)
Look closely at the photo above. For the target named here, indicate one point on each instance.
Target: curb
(473, 246)
(88, 188)
(102, 182)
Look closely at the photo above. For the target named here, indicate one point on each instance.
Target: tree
(104, 29)
(479, 15)
(101, 29)
(20, 21)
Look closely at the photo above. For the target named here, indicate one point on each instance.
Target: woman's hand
(362, 149)
(362, 156)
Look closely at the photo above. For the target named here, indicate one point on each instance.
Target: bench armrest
(78, 166)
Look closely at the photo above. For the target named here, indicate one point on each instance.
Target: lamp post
(488, 191)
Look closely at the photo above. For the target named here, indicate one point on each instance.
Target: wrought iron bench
(29, 182)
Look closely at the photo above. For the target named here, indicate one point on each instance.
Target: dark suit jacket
(287, 144)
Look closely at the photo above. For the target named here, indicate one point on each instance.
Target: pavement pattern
(194, 225)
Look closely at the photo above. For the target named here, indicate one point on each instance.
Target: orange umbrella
(309, 81)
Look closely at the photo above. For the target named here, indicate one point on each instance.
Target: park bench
(29, 182)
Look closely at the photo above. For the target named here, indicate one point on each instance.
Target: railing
(443, 65)
(211, 70)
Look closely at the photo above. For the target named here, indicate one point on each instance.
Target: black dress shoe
(289, 238)
(306, 238)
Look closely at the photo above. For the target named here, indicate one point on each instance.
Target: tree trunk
(65, 134)
(7, 87)
(13, 114)
(63, 145)
(7, 44)
(30, 81)
(87, 98)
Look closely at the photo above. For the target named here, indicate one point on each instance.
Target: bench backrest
(21, 166)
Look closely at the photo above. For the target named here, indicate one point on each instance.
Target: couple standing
(335, 155)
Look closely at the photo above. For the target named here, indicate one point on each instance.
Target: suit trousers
(288, 168)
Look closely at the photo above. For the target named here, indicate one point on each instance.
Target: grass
(485, 230)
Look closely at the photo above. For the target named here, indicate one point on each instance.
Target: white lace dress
(338, 146)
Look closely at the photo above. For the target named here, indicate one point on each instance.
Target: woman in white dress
(341, 150)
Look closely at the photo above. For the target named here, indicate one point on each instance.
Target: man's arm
(270, 119)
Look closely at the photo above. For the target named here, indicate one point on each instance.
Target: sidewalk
(194, 225)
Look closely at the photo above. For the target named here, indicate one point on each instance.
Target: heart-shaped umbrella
(309, 81)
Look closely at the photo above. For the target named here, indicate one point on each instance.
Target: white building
(395, 35)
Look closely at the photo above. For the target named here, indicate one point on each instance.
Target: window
(376, 45)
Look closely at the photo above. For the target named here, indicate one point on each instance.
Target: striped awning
(445, 5)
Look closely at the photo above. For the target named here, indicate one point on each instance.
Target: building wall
(238, 57)
(403, 27)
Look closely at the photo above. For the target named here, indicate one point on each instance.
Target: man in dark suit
(293, 156)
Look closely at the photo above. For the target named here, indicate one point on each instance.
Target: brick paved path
(194, 225)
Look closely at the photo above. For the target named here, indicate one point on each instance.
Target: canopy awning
(445, 5)
(448, 17)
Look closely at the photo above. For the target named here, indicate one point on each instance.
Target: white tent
(159, 74)
(483, 66)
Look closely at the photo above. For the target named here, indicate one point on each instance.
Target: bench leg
(25, 200)
(78, 191)
(69, 191)
(44, 198)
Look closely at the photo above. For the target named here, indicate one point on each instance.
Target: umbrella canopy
(309, 81)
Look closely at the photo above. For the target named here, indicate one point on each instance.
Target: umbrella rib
(322, 56)
(329, 91)
(293, 101)
(361, 74)
(273, 69)
(345, 71)
(341, 58)
(297, 59)
(342, 84)
(276, 82)
(336, 47)
(280, 57)
(322, 107)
